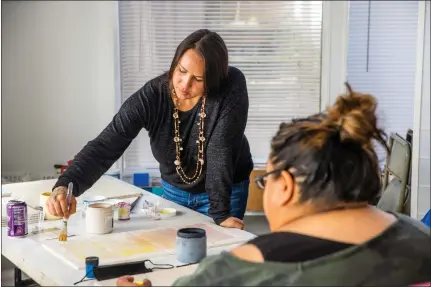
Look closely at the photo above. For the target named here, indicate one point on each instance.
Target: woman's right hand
(233, 222)
(57, 203)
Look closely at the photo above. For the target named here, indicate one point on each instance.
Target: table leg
(18, 279)
(17, 276)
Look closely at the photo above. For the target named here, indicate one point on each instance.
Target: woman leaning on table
(195, 115)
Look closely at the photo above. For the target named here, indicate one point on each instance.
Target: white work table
(47, 269)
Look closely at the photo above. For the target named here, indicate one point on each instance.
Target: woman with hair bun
(321, 174)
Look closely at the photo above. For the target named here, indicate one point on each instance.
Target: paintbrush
(63, 232)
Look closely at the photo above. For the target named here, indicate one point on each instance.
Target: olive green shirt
(399, 256)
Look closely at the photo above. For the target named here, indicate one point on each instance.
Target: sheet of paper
(164, 238)
(213, 233)
(122, 247)
(110, 248)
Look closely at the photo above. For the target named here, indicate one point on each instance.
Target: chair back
(396, 175)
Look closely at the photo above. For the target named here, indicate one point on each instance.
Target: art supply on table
(48, 234)
(99, 218)
(155, 210)
(167, 212)
(150, 209)
(191, 245)
(124, 211)
(63, 232)
(17, 218)
(137, 204)
(92, 199)
(90, 263)
(38, 226)
(105, 272)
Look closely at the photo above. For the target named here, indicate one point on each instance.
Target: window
(382, 59)
(276, 44)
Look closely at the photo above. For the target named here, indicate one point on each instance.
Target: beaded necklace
(200, 142)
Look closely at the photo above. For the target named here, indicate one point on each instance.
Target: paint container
(191, 245)
(89, 200)
(124, 211)
(99, 218)
(167, 212)
(38, 226)
(90, 263)
(17, 224)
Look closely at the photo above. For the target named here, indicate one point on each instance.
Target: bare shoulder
(248, 252)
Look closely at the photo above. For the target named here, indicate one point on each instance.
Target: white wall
(58, 79)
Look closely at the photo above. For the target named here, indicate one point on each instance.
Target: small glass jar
(38, 226)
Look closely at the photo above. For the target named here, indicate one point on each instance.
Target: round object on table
(99, 218)
(167, 212)
(93, 198)
(191, 245)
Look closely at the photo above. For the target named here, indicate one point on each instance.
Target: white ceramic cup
(99, 218)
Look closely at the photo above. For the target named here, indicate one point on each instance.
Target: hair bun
(354, 116)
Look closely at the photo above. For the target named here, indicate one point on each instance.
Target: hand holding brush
(63, 232)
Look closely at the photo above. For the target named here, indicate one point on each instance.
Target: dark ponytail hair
(331, 154)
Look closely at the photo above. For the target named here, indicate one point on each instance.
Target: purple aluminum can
(17, 218)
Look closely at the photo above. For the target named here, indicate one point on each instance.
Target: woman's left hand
(233, 222)
(129, 281)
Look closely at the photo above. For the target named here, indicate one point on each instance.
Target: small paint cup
(124, 211)
(191, 245)
(167, 212)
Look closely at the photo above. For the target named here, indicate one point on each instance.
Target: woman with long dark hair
(195, 116)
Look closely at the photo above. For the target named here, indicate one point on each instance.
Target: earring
(177, 103)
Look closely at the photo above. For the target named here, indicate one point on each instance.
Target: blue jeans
(201, 203)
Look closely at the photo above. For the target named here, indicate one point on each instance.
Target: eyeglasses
(261, 179)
